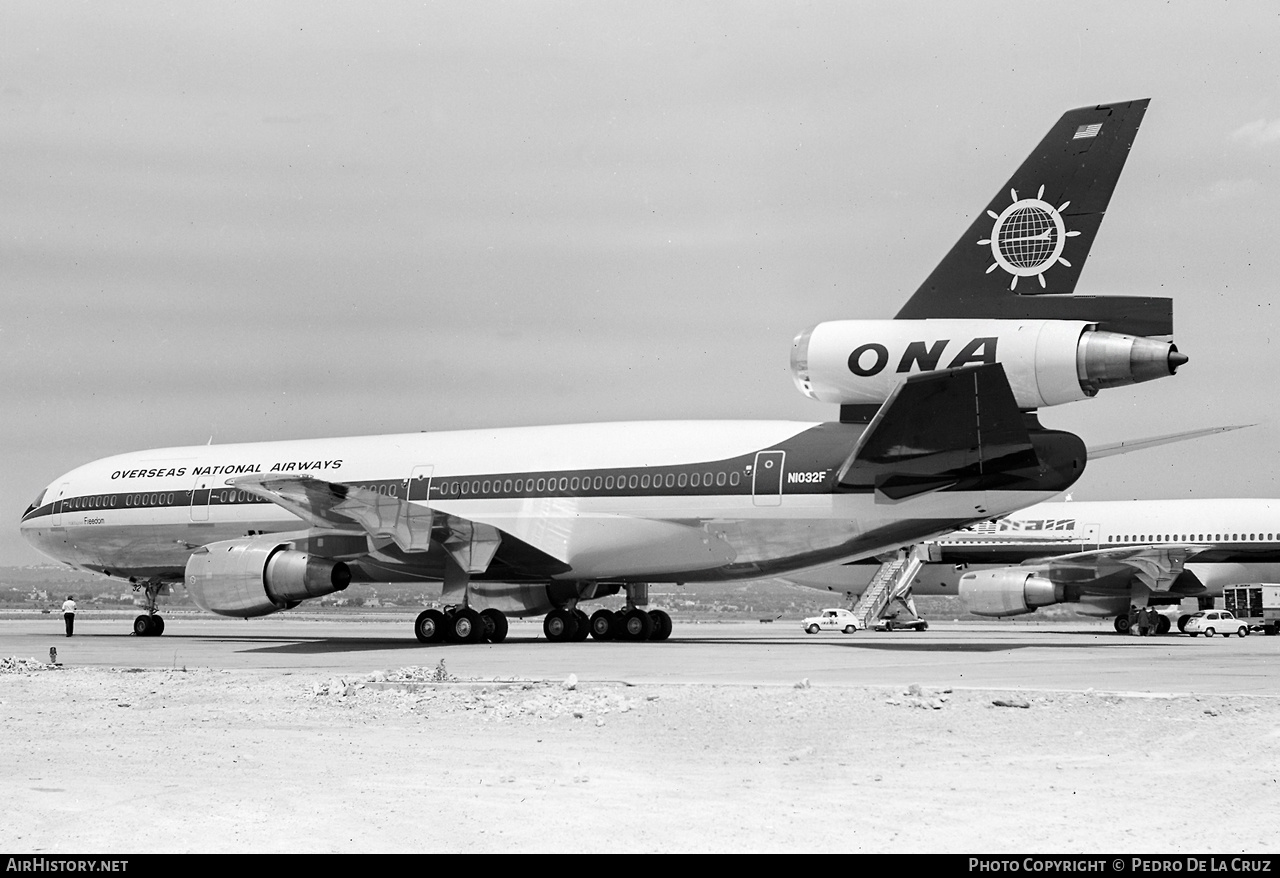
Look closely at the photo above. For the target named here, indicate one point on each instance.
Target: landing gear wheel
(1122, 624)
(429, 626)
(636, 625)
(661, 625)
(143, 626)
(1163, 625)
(464, 626)
(495, 625)
(604, 624)
(1182, 622)
(583, 630)
(560, 625)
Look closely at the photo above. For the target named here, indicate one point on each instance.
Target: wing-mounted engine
(1009, 591)
(1048, 362)
(256, 577)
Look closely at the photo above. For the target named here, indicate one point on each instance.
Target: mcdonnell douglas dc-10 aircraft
(937, 430)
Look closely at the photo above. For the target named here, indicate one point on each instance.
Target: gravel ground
(413, 759)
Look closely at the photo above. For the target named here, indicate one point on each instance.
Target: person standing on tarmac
(69, 613)
(1144, 623)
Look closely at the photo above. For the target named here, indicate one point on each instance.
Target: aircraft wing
(1156, 567)
(413, 527)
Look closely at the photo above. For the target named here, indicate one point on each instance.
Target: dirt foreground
(139, 761)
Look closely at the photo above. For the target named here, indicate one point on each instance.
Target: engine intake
(246, 578)
(1048, 362)
(1008, 591)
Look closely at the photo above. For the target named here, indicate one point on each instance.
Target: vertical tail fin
(1022, 256)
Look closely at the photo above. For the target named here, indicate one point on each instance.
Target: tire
(849, 629)
(495, 625)
(924, 626)
(1122, 624)
(636, 625)
(157, 626)
(1208, 632)
(604, 624)
(142, 626)
(812, 629)
(661, 625)
(559, 626)
(1242, 631)
(429, 626)
(1163, 625)
(583, 631)
(1182, 623)
(464, 626)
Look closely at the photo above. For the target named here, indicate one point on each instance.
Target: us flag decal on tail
(1087, 131)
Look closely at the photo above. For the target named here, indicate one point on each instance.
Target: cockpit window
(39, 499)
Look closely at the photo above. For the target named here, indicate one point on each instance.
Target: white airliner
(937, 431)
(1105, 556)
(1101, 557)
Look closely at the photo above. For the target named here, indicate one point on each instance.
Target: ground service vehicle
(902, 622)
(1257, 605)
(1211, 622)
(833, 619)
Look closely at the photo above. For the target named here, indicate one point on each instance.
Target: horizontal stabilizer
(939, 429)
(1099, 451)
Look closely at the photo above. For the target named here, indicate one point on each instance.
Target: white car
(834, 619)
(1211, 622)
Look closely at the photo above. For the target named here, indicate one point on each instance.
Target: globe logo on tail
(1028, 237)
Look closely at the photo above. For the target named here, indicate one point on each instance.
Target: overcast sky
(247, 221)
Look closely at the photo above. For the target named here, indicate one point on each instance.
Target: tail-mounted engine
(256, 577)
(1048, 362)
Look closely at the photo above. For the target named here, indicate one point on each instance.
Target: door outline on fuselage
(199, 509)
(766, 478)
(57, 504)
(1092, 538)
(417, 487)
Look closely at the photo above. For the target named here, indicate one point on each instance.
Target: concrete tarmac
(1058, 656)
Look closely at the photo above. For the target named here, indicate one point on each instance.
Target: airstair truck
(1257, 605)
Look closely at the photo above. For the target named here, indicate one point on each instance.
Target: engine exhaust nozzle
(1110, 359)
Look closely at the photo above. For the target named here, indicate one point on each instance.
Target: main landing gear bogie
(464, 625)
(460, 625)
(633, 624)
